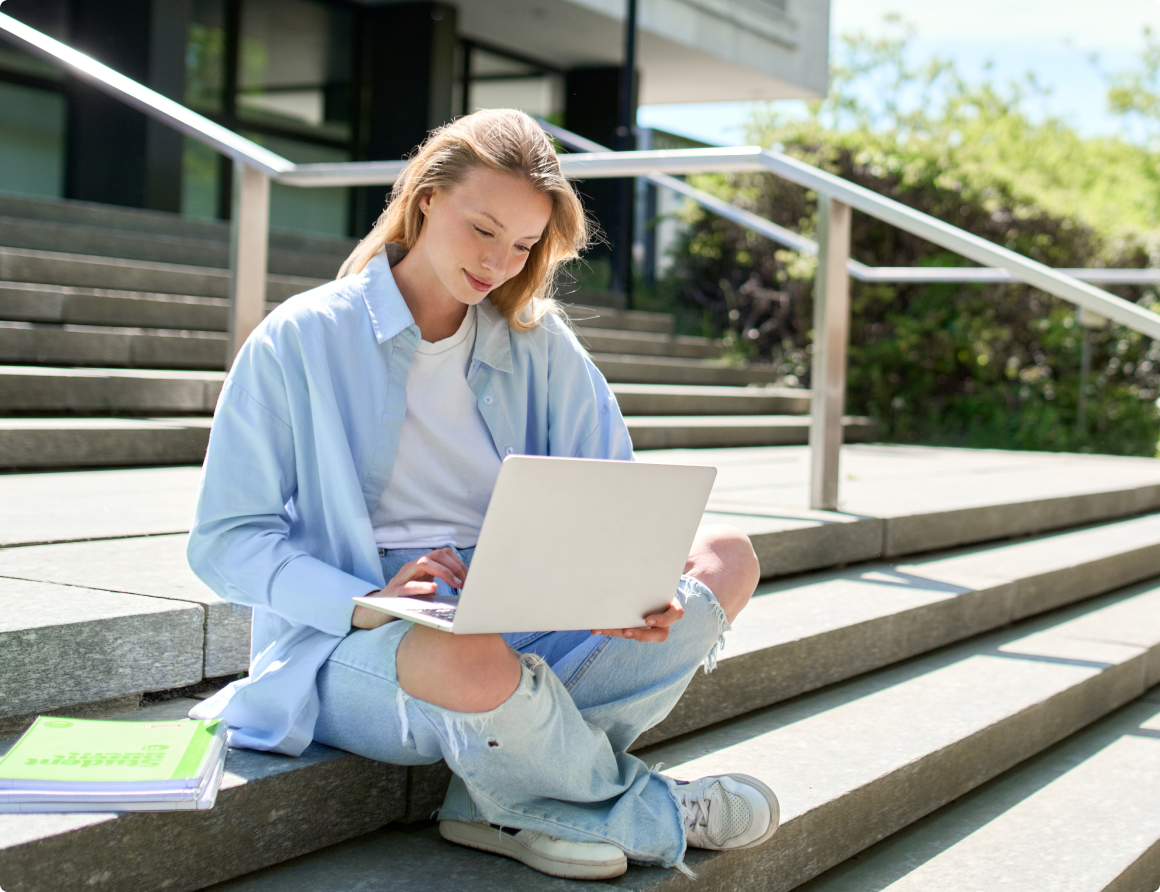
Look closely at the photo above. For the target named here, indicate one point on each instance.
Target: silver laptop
(571, 544)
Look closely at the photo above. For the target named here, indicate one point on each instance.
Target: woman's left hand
(655, 629)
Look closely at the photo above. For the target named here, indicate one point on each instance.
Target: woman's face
(478, 233)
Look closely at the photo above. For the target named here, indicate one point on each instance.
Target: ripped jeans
(552, 757)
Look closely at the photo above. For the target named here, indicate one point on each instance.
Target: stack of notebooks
(84, 765)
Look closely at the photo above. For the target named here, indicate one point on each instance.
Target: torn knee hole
(491, 741)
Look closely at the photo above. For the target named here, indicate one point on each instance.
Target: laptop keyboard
(444, 613)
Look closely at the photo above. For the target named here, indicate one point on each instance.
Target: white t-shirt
(447, 463)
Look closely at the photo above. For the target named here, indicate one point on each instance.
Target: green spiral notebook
(63, 764)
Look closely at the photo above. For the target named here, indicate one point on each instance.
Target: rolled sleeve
(310, 592)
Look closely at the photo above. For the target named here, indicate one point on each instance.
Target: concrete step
(100, 345)
(25, 389)
(1081, 816)
(598, 340)
(691, 399)
(797, 635)
(76, 506)
(56, 443)
(1004, 697)
(151, 246)
(28, 390)
(851, 764)
(860, 761)
(31, 302)
(896, 500)
(54, 268)
(112, 218)
(67, 644)
(717, 431)
(627, 369)
(52, 441)
(144, 566)
(43, 441)
(96, 345)
(596, 297)
(633, 345)
(582, 315)
(802, 633)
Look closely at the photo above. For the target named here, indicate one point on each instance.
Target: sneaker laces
(699, 812)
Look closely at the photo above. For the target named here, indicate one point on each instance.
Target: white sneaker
(727, 811)
(547, 854)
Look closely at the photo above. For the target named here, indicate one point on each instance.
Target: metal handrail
(143, 99)
(964, 243)
(256, 166)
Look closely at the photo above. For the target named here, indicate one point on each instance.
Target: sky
(1053, 38)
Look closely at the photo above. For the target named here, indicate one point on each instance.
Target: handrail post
(831, 336)
(249, 247)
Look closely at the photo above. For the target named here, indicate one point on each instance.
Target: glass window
(200, 181)
(498, 81)
(295, 66)
(31, 141)
(205, 55)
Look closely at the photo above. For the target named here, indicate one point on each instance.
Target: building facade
(334, 80)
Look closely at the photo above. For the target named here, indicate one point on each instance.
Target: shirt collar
(388, 310)
(389, 313)
(493, 344)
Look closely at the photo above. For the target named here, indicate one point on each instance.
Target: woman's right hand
(414, 579)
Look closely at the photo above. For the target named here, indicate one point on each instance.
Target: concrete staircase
(112, 344)
(951, 684)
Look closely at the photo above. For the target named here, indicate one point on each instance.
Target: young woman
(354, 449)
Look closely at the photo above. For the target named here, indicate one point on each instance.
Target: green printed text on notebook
(64, 764)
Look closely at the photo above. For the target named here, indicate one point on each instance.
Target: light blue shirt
(304, 437)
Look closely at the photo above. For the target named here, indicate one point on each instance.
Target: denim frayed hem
(697, 589)
(678, 863)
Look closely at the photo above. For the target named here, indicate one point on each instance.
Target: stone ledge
(27, 389)
(626, 368)
(55, 268)
(1020, 830)
(153, 246)
(153, 566)
(53, 443)
(101, 504)
(690, 399)
(65, 644)
(801, 634)
(730, 431)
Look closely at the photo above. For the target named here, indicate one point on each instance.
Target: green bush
(972, 365)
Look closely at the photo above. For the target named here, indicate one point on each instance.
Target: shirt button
(509, 450)
(487, 399)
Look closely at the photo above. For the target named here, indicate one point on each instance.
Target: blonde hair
(503, 140)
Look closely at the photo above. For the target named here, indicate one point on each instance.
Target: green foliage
(1135, 92)
(975, 365)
